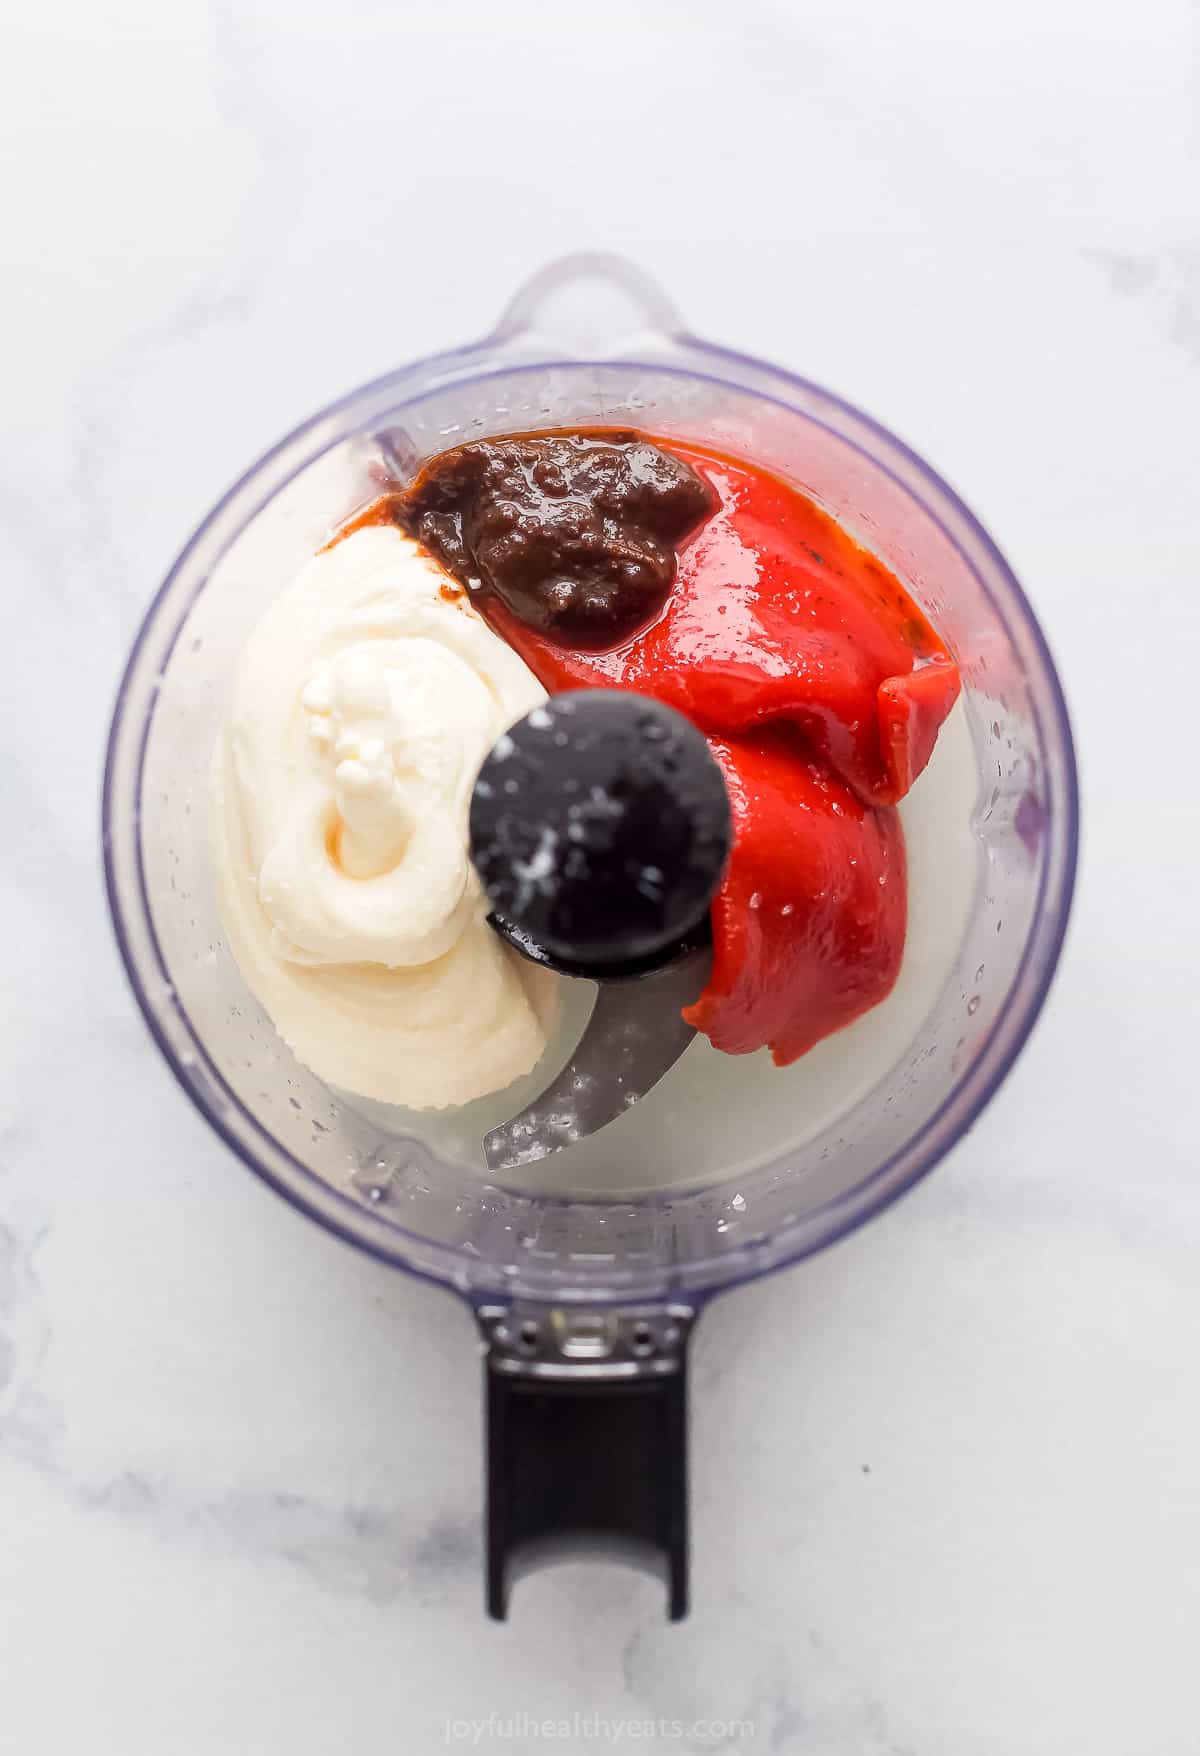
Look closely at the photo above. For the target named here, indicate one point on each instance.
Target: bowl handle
(586, 1441)
(591, 304)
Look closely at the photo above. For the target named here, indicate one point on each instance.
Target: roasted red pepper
(822, 688)
(808, 925)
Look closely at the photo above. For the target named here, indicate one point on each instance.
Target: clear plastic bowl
(591, 341)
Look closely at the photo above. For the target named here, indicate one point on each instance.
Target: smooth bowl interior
(730, 1165)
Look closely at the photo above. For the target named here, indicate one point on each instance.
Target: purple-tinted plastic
(489, 1261)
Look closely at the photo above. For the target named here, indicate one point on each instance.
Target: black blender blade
(600, 828)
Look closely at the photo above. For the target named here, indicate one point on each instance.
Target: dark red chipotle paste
(575, 533)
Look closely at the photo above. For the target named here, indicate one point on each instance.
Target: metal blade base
(634, 1036)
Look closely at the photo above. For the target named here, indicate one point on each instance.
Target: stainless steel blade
(635, 1034)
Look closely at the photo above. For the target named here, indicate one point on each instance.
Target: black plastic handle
(586, 1442)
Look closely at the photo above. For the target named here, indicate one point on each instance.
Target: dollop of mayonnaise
(364, 704)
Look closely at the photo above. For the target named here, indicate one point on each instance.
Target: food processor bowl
(587, 1278)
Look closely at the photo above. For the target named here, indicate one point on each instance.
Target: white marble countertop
(945, 1475)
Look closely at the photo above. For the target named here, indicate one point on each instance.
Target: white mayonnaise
(364, 703)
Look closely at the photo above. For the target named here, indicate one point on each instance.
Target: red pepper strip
(808, 925)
